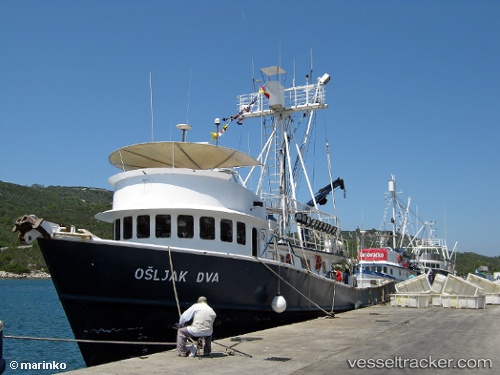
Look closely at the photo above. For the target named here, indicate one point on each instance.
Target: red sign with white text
(373, 255)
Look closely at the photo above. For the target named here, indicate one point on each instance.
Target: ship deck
(401, 340)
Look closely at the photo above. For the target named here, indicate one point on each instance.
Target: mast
(280, 104)
(392, 192)
(397, 208)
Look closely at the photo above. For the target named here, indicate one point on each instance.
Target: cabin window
(240, 233)
(117, 229)
(185, 226)
(391, 271)
(254, 242)
(127, 227)
(163, 226)
(143, 226)
(226, 230)
(207, 228)
(385, 269)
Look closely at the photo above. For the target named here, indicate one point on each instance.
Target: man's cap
(202, 300)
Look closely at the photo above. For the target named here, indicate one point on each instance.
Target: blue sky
(415, 92)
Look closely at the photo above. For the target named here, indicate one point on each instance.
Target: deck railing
(297, 98)
(303, 226)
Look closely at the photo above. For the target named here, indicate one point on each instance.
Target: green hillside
(64, 205)
(78, 205)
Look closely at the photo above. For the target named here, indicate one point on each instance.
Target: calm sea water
(32, 308)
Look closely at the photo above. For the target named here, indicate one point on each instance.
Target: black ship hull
(121, 292)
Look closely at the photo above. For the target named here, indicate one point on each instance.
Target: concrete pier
(376, 340)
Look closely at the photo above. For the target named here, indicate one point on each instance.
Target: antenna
(253, 76)
(151, 106)
(189, 95)
(184, 128)
(445, 225)
(311, 68)
(279, 60)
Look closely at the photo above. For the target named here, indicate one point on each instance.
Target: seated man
(203, 318)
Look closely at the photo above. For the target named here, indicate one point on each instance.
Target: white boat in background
(431, 255)
(397, 255)
(379, 265)
(389, 259)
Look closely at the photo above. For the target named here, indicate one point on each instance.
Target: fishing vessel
(431, 254)
(388, 257)
(188, 222)
(381, 264)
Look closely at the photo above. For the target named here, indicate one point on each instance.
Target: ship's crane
(320, 196)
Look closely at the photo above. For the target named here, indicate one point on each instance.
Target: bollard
(2, 361)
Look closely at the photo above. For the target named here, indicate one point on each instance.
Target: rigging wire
(295, 289)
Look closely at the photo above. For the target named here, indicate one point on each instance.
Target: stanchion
(2, 361)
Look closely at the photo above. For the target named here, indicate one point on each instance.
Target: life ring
(319, 262)
(288, 258)
(400, 258)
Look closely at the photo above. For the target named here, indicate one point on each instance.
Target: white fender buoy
(279, 304)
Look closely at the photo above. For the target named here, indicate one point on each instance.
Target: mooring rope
(298, 291)
(333, 297)
(60, 339)
(173, 282)
(88, 340)
(191, 341)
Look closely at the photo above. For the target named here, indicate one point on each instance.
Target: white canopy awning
(178, 155)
